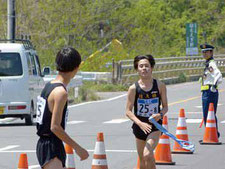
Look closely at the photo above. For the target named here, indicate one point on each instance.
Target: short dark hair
(140, 57)
(67, 59)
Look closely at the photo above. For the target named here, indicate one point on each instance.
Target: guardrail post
(120, 71)
(113, 71)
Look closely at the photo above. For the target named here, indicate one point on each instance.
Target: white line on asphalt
(121, 151)
(219, 104)
(99, 101)
(193, 112)
(34, 166)
(8, 147)
(34, 151)
(7, 120)
(116, 121)
(75, 122)
(193, 120)
(19, 151)
(187, 113)
(222, 121)
(198, 107)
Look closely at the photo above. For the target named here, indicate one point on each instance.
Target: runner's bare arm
(60, 96)
(129, 107)
(163, 94)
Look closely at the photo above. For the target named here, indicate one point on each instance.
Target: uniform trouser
(209, 97)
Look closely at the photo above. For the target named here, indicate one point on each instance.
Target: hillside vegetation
(140, 27)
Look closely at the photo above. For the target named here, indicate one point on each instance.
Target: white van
(21, 80)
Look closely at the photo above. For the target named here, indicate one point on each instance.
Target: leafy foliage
(143, 26)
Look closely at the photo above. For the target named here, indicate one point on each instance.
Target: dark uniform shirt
(146, 103)
(44, 116)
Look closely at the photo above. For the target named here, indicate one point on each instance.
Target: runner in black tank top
(52, 114)
(146, 103)
(145, 98)
(49, 145)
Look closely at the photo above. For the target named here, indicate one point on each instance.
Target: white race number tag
(147, 107)
(66, 117)
(41, 102)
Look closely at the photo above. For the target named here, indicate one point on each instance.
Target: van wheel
(29, 120)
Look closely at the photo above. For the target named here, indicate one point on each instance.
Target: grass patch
(182, 78)
(87, 92)
(105, 87)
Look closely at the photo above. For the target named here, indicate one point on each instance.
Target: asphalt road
(108, 116)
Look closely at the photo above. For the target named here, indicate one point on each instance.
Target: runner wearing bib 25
(146, 96)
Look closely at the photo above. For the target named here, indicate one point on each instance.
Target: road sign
(191, 39)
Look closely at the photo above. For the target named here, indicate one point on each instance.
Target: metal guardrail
(96, 76)
(72, 87)
(182, 58)
(75, 82)
(169, 70)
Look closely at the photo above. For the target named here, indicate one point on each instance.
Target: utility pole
(11, 29)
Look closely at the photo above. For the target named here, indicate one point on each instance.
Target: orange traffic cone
(70, 162)
(23, 164)
(181, 133)
(210, 136)
(162, 151)
(138, 164)
(99, 159)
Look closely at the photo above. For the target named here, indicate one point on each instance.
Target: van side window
(29, 65)
(38, 65)
(33, 65)
(10, 64)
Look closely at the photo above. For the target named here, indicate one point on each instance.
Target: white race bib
(66, 117)
(147, 107)
(41, 102)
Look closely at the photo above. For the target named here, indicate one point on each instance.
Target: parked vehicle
(21, 80)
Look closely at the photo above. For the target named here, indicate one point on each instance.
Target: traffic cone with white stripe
(99, 159)
(23, 163)
(181, 133)
(210, 136)
(70, 162)
(162, 151)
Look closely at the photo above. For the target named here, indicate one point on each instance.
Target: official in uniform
(211, 78)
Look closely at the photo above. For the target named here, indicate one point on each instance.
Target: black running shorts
(140, 134)
(48, 148)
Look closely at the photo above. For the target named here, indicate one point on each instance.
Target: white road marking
(193, 112)
(222, 122)
(8, 147)
(198, 107)
(75, 122)
(121, 151)
(193, 120)
(7, 120)
(219, 104)
(187, 113)
(98, 101)
(116, 121)
(34, 166)
(19, 151)
(34, 151)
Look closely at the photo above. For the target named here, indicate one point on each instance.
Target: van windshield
(10, 64)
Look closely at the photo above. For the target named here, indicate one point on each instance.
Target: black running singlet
(44, 115)
(147, 102)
